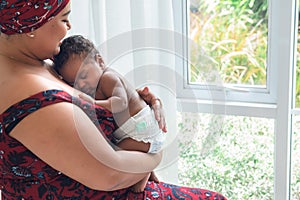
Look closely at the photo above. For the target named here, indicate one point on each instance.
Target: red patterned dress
(25, 176)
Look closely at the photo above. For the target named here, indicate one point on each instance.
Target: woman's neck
(14, 51)
(23, 60)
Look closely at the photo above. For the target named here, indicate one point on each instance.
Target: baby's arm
(114, 89)
(104, 103)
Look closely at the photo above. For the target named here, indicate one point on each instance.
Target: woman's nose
(69, 26)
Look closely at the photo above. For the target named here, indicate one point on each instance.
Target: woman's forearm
(126, 161)
(133, 167)
(125, 180)
(136, 162)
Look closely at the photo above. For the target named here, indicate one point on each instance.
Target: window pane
(295, 174)
(295, 154)
(297, 93)
(234, 156)
(229, 37)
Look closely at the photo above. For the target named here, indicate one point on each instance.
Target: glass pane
(295, 161)
(230, 38)
(234, 156)
(297, 92)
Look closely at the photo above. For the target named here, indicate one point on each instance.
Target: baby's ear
(99, 60)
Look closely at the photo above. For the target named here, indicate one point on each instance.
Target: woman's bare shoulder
(19, 87)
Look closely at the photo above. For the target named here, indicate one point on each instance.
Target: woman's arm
(64, 137)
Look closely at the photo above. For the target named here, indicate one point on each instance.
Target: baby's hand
(103, 103)
(86, 98)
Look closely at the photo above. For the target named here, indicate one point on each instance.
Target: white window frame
(228, 99)
(274, 102)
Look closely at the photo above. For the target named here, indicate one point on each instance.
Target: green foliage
(239, 161)
(295, 175)
(297, 92)
(233, 155)
(232, 35)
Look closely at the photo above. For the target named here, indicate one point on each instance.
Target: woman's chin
(56, 51)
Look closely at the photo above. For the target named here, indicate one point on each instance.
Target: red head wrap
(23, 16)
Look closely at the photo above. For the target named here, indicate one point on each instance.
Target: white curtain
(137, 38)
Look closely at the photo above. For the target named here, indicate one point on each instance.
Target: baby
(81, 66)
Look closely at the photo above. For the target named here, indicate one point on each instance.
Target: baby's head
(79, 63)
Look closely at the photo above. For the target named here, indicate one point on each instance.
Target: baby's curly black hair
(74, 45)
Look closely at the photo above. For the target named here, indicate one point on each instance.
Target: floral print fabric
(25, 16)
(26, 177)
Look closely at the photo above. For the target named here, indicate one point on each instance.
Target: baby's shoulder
(111, 74)
(108, 71)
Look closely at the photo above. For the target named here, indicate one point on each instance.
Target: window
(228, 57)
(295, 136)
(256, 83)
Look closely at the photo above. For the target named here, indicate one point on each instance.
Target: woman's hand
(156, 105)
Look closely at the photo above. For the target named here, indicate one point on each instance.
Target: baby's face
(82, 74)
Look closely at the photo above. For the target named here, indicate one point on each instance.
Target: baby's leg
(153, 177)
(133, 145)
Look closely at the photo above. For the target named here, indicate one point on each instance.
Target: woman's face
(51, 34)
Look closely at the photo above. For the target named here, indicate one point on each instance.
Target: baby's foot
(140, 186)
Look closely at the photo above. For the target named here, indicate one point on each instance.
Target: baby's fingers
(86, 98)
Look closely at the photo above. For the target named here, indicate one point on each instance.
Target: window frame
(276, 102)
(259, 102)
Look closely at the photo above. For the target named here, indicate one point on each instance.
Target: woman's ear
(31, 34)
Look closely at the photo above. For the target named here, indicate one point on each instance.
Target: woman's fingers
(159, 113)
(156, 105)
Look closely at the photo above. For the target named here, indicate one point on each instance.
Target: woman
(50, 146)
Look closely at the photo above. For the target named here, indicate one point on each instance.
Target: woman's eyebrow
(67, 13)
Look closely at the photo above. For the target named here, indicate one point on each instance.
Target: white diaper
(142, 127)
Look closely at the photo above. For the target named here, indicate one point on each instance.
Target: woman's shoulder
(38, 100)
(21, 109)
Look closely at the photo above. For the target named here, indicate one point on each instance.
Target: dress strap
(101, 117)
(17, 112)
